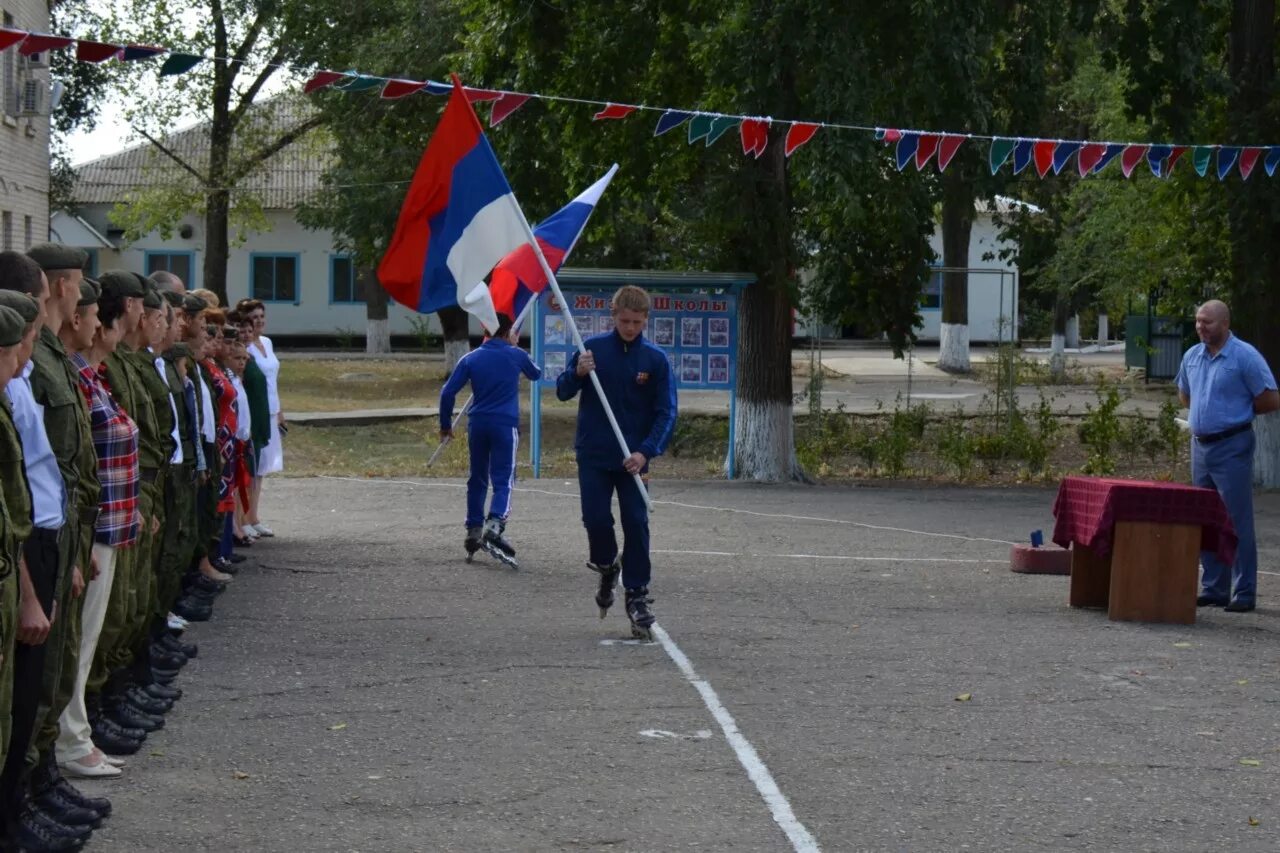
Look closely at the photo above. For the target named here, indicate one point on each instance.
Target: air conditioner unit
(31, 98)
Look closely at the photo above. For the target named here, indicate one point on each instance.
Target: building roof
(281, 183)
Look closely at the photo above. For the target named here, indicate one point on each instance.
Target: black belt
(1226, 433)
(149, 474)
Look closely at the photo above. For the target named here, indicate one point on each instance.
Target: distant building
(24, 131)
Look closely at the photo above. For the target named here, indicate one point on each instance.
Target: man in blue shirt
(636, 378)
(493, 431)
(1226, 382)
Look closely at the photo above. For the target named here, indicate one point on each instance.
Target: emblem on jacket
(642, 378)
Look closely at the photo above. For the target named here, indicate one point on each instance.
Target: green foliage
(1100, 431)
(420, 327)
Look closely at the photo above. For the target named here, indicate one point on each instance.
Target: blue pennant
(670, 120)
(1063, 154)
(434, 88)
(1113, 151)
(1273, 159)
(906, 149)
(1227, 157)
(1022, 154)
(1156, 155)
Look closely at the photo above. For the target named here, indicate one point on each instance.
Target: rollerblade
(472, 542)
(638, 612)
(497, 547)
(608, 580)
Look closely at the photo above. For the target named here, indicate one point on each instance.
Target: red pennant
(1249, 159)
(322, 80)
(8, 38)
(798, 135)
(96, 51)
(1043, 151)
(476, 96)
(754, 133)
(401, 88)
(505, 106)
(1131, 157)
(891, 136)
(35, 43)
(1090, 155)
(926, 149)
(947, 150)
(1174, 156)
(613, 111)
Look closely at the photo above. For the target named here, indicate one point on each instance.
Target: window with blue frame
(274, 278)
(932, 295)
(178, 263)
(345, 285)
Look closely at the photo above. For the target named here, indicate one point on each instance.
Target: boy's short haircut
(630, 298)
(504, 325)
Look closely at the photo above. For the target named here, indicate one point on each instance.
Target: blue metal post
(535, 394)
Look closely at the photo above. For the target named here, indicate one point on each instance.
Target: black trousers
(41, 551)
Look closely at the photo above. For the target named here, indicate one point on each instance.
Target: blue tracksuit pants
(493, 459)
(1227, 466)
(596, 486)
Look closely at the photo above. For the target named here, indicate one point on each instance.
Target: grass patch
(320, 385)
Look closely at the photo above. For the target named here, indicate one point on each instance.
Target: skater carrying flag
(637, 381)
(494, 371)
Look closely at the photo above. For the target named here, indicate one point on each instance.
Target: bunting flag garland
(918, 146)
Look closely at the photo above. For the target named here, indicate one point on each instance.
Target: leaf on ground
(1243, 681)
(156, 753)
(964, 697)
(338, 727)
(1182, 645)
(1253, 821)
(239, 774)
(1251, 762)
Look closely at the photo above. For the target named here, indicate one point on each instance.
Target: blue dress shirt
(1222, 387)
(48, 492)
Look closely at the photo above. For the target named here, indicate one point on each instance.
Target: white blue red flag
(519, 277)
(459, 218)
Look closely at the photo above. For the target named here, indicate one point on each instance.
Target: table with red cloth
(1152, 532)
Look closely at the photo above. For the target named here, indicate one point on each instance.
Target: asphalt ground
(361, 687)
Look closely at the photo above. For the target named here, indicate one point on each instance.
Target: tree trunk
(377, 339)
(957, 223)
(216, 243)
(456, 327)
(764, 425)
(1253, 212)
(1073, 331)
(1057, 348)
(1104, 330)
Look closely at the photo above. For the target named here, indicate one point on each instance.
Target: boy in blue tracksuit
(636, 378)
(492, 432)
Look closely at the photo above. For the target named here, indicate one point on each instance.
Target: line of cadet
(106, 514)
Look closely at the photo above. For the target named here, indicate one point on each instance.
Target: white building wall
(993, 298)
(24, 138)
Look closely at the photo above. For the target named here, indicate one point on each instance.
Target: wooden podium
(1150, 575)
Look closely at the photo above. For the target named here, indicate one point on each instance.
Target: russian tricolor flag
(458, 220)
(518, 277)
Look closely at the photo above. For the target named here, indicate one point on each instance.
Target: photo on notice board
(718, 332)
(553, 364)
(664, 331)
(586, 324)
(718, 369)
(553, 331)
(690, 331)
(604, 324)
(675, 365)
(691, 368)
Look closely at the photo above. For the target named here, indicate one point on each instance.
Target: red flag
(505, 106)
(947, 150)
(799, 134)
(401, 88)
(8, 38)
(1131, 157)
(322, 80)
(1249, 159)
(1043, 150)
(96, 51)
(927, 148)
(39, 43)
(614, 111)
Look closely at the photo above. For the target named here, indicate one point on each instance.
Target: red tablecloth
(1087, 509)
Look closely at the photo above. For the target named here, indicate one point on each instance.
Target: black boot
(608, 580)
(472, 542)
(31, 832)
(638, 612)
(65, 811)
(497, 547)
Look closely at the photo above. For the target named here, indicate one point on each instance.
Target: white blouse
(265, 355)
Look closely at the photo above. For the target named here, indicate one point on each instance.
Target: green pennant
(1200, 157)
(179, 63)
(1000, 151)
(721, 126)
(361, 84)
(699, 127)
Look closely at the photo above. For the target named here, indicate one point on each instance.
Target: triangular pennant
(613, 111)
(890, 136)
(1132, 155)
(135, 52)
(96, 51)
(721, 125)
(1227, 157)
(179, 63)
(906, 149)
(879, 134)
(947, 150)
(1022, 153)
(926, 149)
(1273, 159)
(1174, 156)
(1156, 157)
(670, 120)
(1063, 155)
(700, 126)
(762, 135)
(401, 88)
(1249, 159)
(434, 88)
(1043, 154)
(8, 38)
(505, 106)
(1090, 156)
(322, 80)
(360, 83)
(1200, 157)
(1000, 151)
(480, 96)
(754, 133)
(1114, 150)
(39, 43)
(799, 134)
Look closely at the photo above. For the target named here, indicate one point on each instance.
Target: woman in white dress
(271, 457)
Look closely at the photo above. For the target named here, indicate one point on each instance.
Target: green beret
(12, 327)
(193, 304)
(173, 297)
(121, 283)
(151, 296)
(90, 290)
(22, 304)
(180, 350)
(55, 256)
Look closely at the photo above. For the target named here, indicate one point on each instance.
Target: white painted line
(846, 557)
(796, 833)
